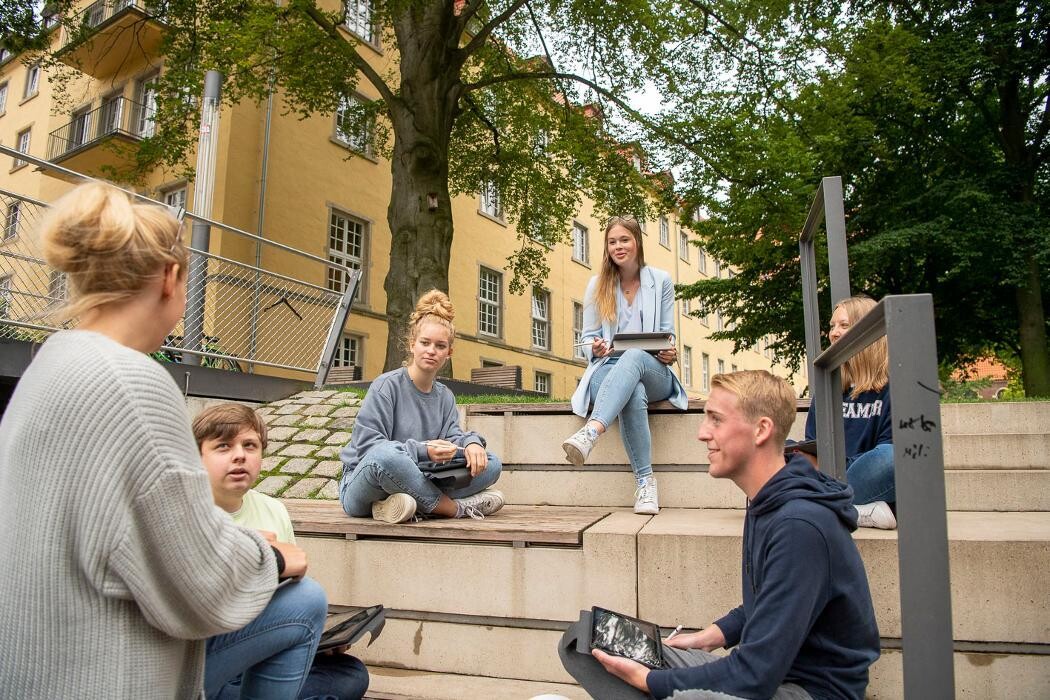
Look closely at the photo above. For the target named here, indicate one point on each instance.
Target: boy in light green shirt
(231, 438)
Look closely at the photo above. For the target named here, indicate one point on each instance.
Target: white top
(628, 315)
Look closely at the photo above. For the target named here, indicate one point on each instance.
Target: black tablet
(622, 635)
(345, 625)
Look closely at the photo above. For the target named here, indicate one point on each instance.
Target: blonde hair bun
(433, 303)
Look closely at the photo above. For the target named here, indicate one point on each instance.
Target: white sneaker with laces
(396, 508)
(645, 498)
(876, 514)
(481, 504)
(577, 446)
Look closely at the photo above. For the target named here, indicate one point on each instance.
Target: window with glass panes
(11, 219)
(665, 233)
(705, 371)
(541, 323)
(580, 247)
(176, 198)
(721, 366)
(683, 245)
(490, 201)
(348, 352)
(32, 80)
(687, 365)
(542, 383)
(489, 290)
(687, 306)
(577, 330)
(359, 136)
(3, 98)
(346, 246)
(701, 261)
(359, 19)
(57, 287)
(23, 140)
(5, 296)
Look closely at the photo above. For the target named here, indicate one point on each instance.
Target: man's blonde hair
(759, 394)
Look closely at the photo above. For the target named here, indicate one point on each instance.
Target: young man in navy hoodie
(806, 628)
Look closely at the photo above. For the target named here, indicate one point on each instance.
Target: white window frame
(23, 141)
(12, 217)
(541, 382)
(718, 267)
(687, 306)
(360, 21)
(32, 85)
(489, 201)
(687, 365)
(360, 142)
(665, 232)
(349, 351)
(176, 197)
(705, 372)
(490, 302)
(581, 249)
(721, 366)
(3, 97)
(683, 245)
(701, 261)
(146, 98)
(541, 319)
(350, 234)
(5, 296)
(577, 331)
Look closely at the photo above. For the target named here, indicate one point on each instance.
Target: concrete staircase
(476, 609)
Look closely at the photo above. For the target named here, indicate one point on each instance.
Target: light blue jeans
(623, 388)
(388, 469)
(871, 475)
(271, 656)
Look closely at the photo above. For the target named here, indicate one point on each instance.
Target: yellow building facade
(307, 184)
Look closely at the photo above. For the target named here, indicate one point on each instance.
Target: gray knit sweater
(115, 564)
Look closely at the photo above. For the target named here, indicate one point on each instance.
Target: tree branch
(486, 121)
(483, 34)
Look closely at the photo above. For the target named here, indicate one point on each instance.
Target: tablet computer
(345, 625)
(622, 635)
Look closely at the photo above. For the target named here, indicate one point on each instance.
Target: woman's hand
(668, 356)
(599, 348)
(477, 458)
(440, 451)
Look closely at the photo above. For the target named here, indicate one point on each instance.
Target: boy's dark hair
(224, 421)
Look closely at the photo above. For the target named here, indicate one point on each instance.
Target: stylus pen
(676, 631)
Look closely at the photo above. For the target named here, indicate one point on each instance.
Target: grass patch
(506, 398)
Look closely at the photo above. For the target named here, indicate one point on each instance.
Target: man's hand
(629, 671)
(707, 639)
(440, 451)
(294, 560)
(477, 458)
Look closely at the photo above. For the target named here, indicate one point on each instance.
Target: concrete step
(689, 486)
(995, 417)
(401, 684)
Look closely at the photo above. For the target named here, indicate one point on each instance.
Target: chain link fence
(252, 316)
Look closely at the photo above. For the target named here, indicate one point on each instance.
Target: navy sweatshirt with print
(865, 419)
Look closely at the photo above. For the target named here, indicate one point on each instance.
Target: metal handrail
(118, 115)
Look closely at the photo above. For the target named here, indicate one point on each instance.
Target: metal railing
(922, 544)
(252, 316)
(116, 116)
(98, 12)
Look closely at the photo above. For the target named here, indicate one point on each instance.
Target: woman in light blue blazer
(626, 296)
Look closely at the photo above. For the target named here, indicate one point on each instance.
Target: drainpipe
(253, 339)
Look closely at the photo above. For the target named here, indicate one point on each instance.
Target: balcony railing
(98, 12)
(117, 116)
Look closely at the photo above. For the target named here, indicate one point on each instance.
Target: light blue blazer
(657, 300)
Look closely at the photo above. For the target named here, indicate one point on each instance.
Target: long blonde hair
(108, 245)
(609, 275)
(869, 369)
(432, 307)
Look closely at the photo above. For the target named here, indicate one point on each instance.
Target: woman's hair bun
(434, 303)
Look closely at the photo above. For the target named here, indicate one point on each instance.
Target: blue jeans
(623, 387)
(332, 677)
(871, 475)
(270, 657)
(388, 469)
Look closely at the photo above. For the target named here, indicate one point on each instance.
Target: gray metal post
(203, 188)
(835, 225)
(922, 547)
(353, 278)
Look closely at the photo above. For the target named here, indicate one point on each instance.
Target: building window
(542, 383)
(80, 128)
(687, 365)
(4, 54)
(22, 141)
(641, 223)
(732, 368)
(32, 81)
(705, 371)
(346, 246)
(359, 20)
(11, 219)
(146, 109)
(687, 306)
(541, 319)
(490, 285)
(490, 201)
(665, 233)
(57, 287)
(683, 245)
(580, 244)
(721, 366)
(3, 98)
(577, 331)
(5, 296)
(348, 352)
(701, 261)
(358, 137)
(718, 268)
(176, 199)
(719, 322)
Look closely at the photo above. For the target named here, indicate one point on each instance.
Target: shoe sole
(394, 509)
(573, 454)
(647, 511)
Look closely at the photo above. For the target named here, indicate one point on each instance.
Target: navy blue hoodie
(807, 616)
(866, 421)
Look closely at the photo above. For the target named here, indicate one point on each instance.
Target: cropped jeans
(871, 475)
(270, 657)
(623, 388)
(387, 469)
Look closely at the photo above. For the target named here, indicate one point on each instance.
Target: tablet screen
(626, 636)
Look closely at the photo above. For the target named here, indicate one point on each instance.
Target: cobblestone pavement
(305, 433)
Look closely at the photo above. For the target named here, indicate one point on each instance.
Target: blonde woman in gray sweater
(117, 564)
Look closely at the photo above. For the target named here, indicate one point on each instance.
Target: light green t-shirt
(261, 512)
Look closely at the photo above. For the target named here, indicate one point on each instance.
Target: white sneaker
(577, 446)
(481, 504)
(645, 499)
(396, 508)
(877, 515)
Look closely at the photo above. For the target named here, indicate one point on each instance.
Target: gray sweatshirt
(117, 564)
(394, 410)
